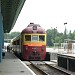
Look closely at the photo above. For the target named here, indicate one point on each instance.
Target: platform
(11, 65)
(68, 60)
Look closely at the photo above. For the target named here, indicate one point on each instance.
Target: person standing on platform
(8, 49)
(3, 53)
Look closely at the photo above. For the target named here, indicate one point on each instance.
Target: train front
(34, 42)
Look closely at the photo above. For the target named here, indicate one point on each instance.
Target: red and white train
(31, 43)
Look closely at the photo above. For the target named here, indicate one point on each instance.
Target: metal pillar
(1, 34)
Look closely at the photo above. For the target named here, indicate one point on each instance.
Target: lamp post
(65, 24)
(65, 34)
(55, 29)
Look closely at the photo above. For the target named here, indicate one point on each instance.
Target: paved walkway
(11, 65)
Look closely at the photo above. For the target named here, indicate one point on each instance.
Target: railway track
(41, 68)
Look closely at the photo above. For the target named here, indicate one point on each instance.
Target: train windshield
(34, 37)
(41, 38)
(27, 37)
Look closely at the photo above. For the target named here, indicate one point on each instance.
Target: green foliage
(65, 34)
(11, 35)
(53, 36)
(73, 35)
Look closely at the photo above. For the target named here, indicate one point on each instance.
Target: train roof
(33, 28)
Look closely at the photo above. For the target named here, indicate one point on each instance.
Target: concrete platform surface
(11, 65)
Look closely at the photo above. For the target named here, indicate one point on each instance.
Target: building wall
(1, 33)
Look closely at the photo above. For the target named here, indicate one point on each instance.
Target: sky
(48, 13)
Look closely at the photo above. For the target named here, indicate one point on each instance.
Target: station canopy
(10, 10)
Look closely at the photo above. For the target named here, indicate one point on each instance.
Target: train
(31, 43)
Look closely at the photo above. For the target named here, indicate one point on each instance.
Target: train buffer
(11, 65)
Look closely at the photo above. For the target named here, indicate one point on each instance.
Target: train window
(34, 37)
(27, 37)
(41, 38)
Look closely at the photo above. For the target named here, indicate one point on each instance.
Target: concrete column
(1, 33)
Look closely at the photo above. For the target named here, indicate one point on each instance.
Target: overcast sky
(48, 13)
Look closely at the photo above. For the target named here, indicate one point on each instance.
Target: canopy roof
(10, 10)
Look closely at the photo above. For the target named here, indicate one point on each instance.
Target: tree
(73, 34)
(70, 35)
(11, 35)
(49, 37)
(53, 36)
(65, 34)
(14, 34)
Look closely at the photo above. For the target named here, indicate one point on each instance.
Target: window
(41, 38)
(34, 37)
(27, 37)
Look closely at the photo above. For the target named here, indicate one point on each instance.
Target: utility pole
(55, 29)
(65, 34)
